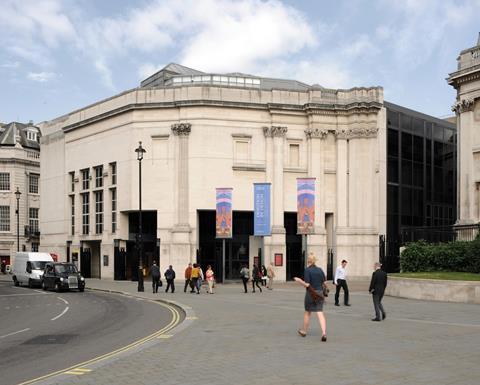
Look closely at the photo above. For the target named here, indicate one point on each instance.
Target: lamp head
(18, 193)
(140, 151)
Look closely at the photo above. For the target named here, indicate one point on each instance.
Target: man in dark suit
(377, 288)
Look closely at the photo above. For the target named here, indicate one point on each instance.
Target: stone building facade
(466, 80)
(19, 169)
(202, 131)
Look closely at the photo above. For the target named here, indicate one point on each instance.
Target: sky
(57, 56)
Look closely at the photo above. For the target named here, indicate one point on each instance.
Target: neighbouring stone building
(466, 80)
(19, 170)
(202, 131)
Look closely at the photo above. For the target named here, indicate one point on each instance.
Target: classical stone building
(202, 131)
(19, 170)
(466, 81)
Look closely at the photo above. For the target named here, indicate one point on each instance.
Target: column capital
(320, 133)
(463, 105)
(181, 129)
(274, 131)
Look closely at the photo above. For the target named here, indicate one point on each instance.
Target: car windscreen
(70, 269)
(38, 265)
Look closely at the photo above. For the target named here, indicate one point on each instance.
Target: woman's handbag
(325, 290)
(316, 297)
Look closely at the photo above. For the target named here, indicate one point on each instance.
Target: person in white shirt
(340, 281)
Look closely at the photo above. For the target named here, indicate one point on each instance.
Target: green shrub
(452, 256)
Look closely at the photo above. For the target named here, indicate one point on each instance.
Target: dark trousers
(377, 304)
(194, 285)
(187, 283)
(341, 283)
(170, 284)
(245, 281)
(255, 282)
(155, 283)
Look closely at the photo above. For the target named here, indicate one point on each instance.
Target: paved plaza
(236, 338)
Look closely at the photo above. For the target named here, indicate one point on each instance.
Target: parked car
(28, 268)
(62, 276)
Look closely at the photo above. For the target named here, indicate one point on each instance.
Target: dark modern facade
(421, 176)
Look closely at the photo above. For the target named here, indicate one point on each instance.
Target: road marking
(11, 334)
(165, 336)
(62, 313)
(173, 323)
(78, 371)
(66, 302)
(191, 317)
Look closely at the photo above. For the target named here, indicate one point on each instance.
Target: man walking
(170, 278)
(155, 272)
(188, 275)
(340, 281)
(270, 275)
(377, 288)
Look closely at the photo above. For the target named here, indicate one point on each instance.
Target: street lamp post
(17, 195)
(140, 151)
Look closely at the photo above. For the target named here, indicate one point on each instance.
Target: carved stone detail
(273, 131)
(357, 132)
(316, 133)
(463, 105)
(181, 128)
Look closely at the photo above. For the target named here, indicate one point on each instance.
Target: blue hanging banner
(261, 216)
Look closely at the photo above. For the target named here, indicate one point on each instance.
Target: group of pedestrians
(259, 275)
(313, 281)
(316, 291)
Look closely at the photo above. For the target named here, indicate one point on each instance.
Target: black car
(62, 276)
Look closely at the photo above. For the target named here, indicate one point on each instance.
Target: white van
(28, 268)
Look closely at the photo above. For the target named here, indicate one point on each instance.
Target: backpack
(169, 274)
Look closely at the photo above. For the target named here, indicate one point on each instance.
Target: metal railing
(440, 233)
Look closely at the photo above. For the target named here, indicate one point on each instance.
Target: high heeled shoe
(324, 338)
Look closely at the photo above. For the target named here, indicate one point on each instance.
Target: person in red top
(188, 275)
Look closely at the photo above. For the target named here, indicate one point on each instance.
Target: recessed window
(113, 172)
(114, 210)
(72, 214)
(294, 155)
(4, 181)
(85, 179)
(4, 218)
(98, 212)
(33, 183)
(72, 181)
(85, 213)
(33, 220)
(242, 148)
(98, 176)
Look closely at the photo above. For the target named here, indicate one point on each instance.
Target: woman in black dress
(314, 277)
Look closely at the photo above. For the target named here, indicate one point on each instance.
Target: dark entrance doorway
(294, 258)
(150, 250)
(85, 262)
(236, 249)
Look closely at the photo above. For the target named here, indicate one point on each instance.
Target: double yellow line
(80, 368)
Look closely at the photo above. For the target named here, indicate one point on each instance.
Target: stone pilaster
(316, 242)
(180, 241)
(275, 139)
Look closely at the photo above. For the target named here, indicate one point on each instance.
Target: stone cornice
(463, 105)
(275, 131)
(181, 129)
(356, 132)
(320, 133)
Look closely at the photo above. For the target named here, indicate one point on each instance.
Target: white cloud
(105, 73)
(14, 64)
(240, 35)
(41, 77)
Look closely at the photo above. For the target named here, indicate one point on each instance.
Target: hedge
(453, 256)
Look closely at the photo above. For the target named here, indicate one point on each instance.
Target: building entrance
(236, 249)
(294, 258)
(150, 249)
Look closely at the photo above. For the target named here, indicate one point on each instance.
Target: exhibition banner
(224, 212)
(305, 205)
(261, 205)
